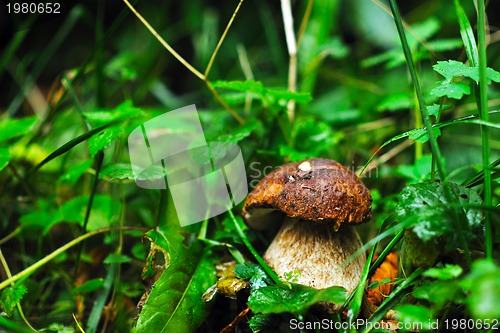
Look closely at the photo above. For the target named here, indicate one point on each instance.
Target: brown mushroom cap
(315, 189)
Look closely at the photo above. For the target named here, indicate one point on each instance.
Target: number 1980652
(34, 8)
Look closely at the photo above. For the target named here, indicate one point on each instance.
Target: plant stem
(484, 115)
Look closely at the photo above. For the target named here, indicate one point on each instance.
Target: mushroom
(320, 200)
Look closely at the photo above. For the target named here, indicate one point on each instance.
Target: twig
(236, 320)
(212, 58)
(164, 43)
(305, 20)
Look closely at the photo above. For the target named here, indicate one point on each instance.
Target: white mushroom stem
(318, 253)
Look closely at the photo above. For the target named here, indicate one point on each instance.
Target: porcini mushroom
(318, 200)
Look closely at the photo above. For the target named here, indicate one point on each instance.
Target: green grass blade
(484, 115)
(392, 300)
(252, 250)
(467, 35)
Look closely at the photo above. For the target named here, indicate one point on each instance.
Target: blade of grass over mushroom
(386, 251)
(392, 300)
(238, 225)
(378, 261)
(484, 115)
(357, 300)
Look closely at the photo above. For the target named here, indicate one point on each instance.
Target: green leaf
(4, 157)
(260, 321)
(483, 286)
(295, 300)
(249, 86)
(103, 139)
(13, 128)
(467, 35)
(174, 304)
(425, 202)
(104, 210)
(451, 69)
(271, 96)
(74, 173)
(417, 172)
(121, 114)
(421, 134)
(439, 293)
(395, 101)
(447, 272)
(11, 296)
(115, 258)
(408, 314)
(117, 171)
(238, 134)
(454, 90)
(89, 286)
(435, 109)
(36, 220)
(253, 273)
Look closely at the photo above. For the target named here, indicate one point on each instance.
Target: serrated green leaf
(447, 272)
(295, 300)
(266, 95)
(238, 134)
(174, 304)
(12, 128)
(454, 90)
(252, 273)
(102, 140)
(435, 109)
(421, 134)
(426, 203)
(259, 321)
(123, 112)
(451, 69)
(248, 86)
(4, 157)
(88, 287)
(11, 296)
(115, 258)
